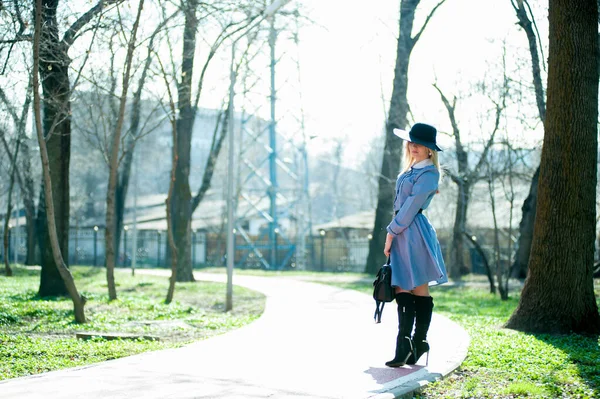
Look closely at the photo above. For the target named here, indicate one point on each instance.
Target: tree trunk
(519, 266)
(134, 131)
(181, 206)
(558, 296)
(11, 185)
(457, 252)
(486, 264)
(28, 192)
(69, 283)
(23, 173)
(6, 238)
(54, 70)
(463, 180)
(211, 162)
(392, 152)
(114, 163)
(168, 203)
(528, 210)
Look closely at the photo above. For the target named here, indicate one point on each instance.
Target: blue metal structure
(272, 166)
(273, 225)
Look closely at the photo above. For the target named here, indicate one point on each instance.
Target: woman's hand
(388, 244)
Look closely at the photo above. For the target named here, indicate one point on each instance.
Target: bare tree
(11, 184)
(137, 130)
(78, 300)
(169, 199)
(558, 296)
(501, 257)
(54, 69)
(17, 56)
(397, 118)
(515, 169)
(523, 11)
(114, 161)
(465, 177)
(183, 204)
(15, 174)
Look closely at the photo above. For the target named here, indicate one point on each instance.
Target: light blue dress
(416, 256)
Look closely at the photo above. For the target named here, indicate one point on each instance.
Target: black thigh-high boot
(406, 318)
(423, 312)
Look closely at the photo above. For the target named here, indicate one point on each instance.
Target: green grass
(503, 363)
(38, 334)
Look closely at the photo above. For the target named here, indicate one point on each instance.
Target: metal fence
(86, 247)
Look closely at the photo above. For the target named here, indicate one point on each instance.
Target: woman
(412, 244)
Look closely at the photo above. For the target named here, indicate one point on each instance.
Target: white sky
(348, 58)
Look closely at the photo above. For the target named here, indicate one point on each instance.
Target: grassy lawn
(503, 363)
(38, 335)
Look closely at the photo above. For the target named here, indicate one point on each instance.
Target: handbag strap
(378, 311)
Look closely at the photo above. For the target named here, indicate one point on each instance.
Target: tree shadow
(383, 375)
(583, 351)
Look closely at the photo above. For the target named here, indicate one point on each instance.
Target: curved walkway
(313, 341)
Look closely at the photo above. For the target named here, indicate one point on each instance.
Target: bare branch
(533, 40)
(71, 33)
(543, 59)
(9, 107)
(499, 109)
(19, 36)
(223, 35)
(451, 108)
(490, 141)
(418, 35)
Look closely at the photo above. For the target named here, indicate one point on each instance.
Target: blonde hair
(409, 160)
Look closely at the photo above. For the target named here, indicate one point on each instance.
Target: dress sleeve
(424, 186)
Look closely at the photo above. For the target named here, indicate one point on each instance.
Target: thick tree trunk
(181, 205)
(392, 153)
(69, 283)
(54, 70)
(558, 296)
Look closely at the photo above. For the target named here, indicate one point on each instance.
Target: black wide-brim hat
(420, 133)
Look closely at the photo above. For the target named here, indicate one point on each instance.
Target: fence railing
(87, 247)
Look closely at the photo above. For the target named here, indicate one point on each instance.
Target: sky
(348, 56)
(347, 51)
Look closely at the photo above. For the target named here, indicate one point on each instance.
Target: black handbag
(382, 289)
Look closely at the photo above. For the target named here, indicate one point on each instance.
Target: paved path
(313, 341)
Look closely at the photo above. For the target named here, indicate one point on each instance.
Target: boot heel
(411, 352)
(401, 359)
(427, 360)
